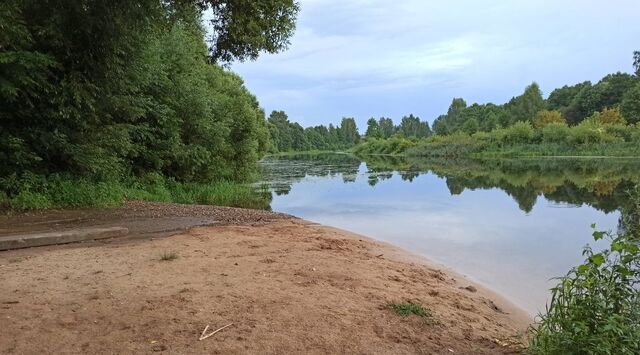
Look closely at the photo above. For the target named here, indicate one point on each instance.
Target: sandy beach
(284, 284)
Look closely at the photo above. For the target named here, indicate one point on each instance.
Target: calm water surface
(509, 224)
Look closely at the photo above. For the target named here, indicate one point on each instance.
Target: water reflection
(511, 224)
(603, 184)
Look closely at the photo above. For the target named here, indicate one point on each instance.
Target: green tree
(630, 106)
(526, 106)
(440, 126)
(454, 114)
(349, 131)
(386, 126)
(411, 126)
(560, 99)
(244, 28)
(471, 126)
(373, 129)
(108, 89)
(281, 132)
(608, 92)
(636, 62)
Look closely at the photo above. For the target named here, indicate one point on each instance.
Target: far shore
(285, 284)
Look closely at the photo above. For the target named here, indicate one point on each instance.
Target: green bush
(393, 145)
(595, 308)
(520, 132)
(621, 131)
(555, 133)
(591, 133)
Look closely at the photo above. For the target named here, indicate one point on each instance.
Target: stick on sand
(203, 337)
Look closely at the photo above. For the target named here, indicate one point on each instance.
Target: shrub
(520, 132)
(555, 133)
(546, 117)
(611, 116)
(595, 308)
(620, 131)
(27, 200)
(590, 131)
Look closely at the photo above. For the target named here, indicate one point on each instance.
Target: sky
(373, 58)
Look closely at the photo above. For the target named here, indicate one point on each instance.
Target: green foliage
(412, 127)
(393, 145)
(244, 28)
(102, 92)
(33, 192)
(520, 132)
(595, 308)
(611, 116)
(546, 117)
(289, 136)
(630, 106)
(406, 309)
(526, 106)
(373, 129)
(555, 132)
(454, 145)
(591, 137)
(386, 126)
(471, 126)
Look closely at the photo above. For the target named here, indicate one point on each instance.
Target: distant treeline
(584, 119)
(289, 136)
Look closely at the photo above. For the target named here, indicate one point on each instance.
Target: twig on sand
(203, 336)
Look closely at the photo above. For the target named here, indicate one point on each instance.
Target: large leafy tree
(104, 89)
(373, 129)
(411, 126)
(349, 131)
(526, 106)
(630, 106)
(386, 126)
(244, 28)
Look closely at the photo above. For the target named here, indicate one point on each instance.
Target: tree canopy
(244, 28)
(108, 89)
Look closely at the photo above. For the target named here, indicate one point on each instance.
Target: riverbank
(286, 284)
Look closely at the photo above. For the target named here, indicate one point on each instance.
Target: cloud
(375, 57)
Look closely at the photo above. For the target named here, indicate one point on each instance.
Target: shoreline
(403, 255)
(288, 285)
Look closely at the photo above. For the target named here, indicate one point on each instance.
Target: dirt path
(288, 286)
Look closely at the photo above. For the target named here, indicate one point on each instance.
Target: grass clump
(595, 308)
(168, 256)
(406, 309)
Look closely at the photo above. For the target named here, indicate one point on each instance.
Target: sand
(287, 285)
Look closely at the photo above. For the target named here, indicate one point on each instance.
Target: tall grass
(33, 192)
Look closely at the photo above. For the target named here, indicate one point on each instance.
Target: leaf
(617, 246)
(597, 259)
(597, 235)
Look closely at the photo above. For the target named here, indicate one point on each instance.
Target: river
(511, 225)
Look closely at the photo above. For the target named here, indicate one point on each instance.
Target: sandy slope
(288, 286)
